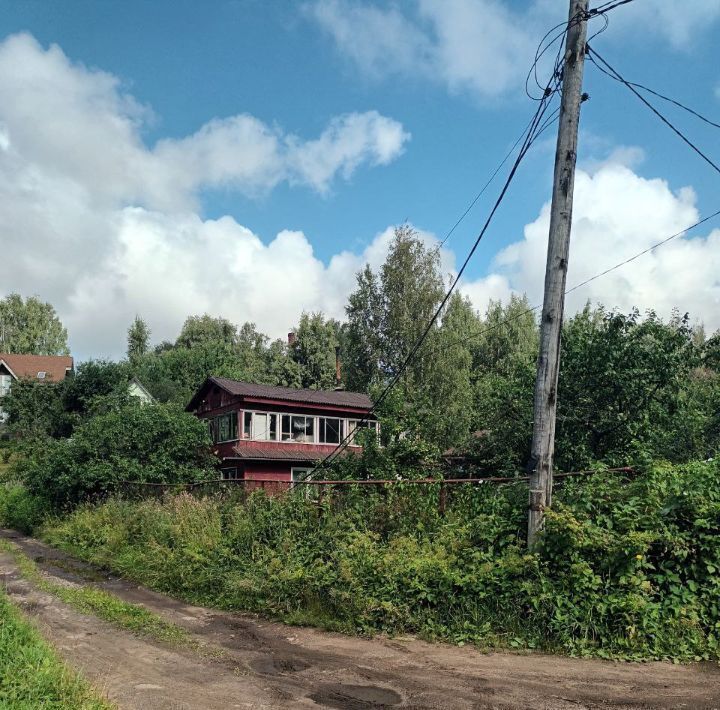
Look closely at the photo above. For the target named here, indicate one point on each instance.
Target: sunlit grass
(31, 673)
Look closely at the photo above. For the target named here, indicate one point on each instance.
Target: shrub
(628, 567)
(146, 443)
(19, 509)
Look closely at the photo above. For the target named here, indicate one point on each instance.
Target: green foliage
(138, 339)
(627, 568)
(20, 509)
(96, 385)
(390, 310)
(174, 373)
(314, 350)
(30, 326)
(31, 673)
(199, 330)
(35, 410)
(503, 346)
(150, 443)
(622, 378)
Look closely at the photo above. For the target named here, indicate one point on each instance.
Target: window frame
(318, 425)
(216, 427)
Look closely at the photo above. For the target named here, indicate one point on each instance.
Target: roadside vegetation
(31, 673)
(88, 599)
(628, 565)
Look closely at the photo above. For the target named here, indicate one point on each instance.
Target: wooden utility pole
(548, 365)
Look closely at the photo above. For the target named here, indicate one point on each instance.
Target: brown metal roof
(330, 397)
(55, 367)
(270, 452)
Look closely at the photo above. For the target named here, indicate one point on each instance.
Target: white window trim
(217, 428)
(345, 423)
(303, 473)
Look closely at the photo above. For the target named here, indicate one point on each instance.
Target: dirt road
(270, 665)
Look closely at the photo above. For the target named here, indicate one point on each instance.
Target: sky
(245, 158)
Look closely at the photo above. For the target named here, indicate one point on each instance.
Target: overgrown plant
(628, 567)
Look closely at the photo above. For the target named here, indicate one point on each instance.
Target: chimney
(291, 338)
(338, 374)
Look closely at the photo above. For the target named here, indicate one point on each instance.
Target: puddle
(273, 665)
(354, 697)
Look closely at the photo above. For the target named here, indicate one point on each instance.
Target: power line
(616, 75)
(546, 124)
(606, 7)
(669, 99)
(644, 251)
(531, 135)
(486, 185)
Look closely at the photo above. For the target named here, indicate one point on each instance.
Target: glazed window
(265, 426)
(298, 428)
(330, 430)
(5, 382)
(355, 425)
(226, 427)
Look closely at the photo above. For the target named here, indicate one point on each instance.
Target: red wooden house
(268, 433)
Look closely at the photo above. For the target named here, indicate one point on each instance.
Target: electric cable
(530, 138)
(592, 55)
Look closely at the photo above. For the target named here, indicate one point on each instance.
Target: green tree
(280, 368)
(31, 326)
(504, 345)
(362, 334)
(153, 443)
(35, 410)
(622, 378)
(314, 350)
(445, 401)
(138, 339)
(388, 313)
(97, 384)
(199, 330)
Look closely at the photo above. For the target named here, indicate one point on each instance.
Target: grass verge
(91, 600)
(31, 673)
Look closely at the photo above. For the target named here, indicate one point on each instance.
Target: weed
(627, 568)
(32, 675)
(91, 600)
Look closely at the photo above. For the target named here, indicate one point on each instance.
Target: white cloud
(104, 226)
(484, 47)
(678, 22)
(476, 45)
(78, 124)
(617, 214)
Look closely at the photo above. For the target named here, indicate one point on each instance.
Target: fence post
(442, 500)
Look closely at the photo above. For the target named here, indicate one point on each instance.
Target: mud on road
(261, 664)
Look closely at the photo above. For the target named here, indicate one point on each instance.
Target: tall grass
(627, 568)
(32, 675)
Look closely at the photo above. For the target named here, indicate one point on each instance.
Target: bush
(628, 568)
(19, 509)
(153, 443)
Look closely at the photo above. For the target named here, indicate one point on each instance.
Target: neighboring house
(278, 434)
(137, 389)
(42, 368)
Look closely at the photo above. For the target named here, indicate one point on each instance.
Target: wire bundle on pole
(539, 123)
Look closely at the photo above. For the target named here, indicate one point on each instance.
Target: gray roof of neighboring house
(339, 398)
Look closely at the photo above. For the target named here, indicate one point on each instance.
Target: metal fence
(323, 489)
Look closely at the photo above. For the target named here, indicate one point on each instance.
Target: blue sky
(446, 74)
